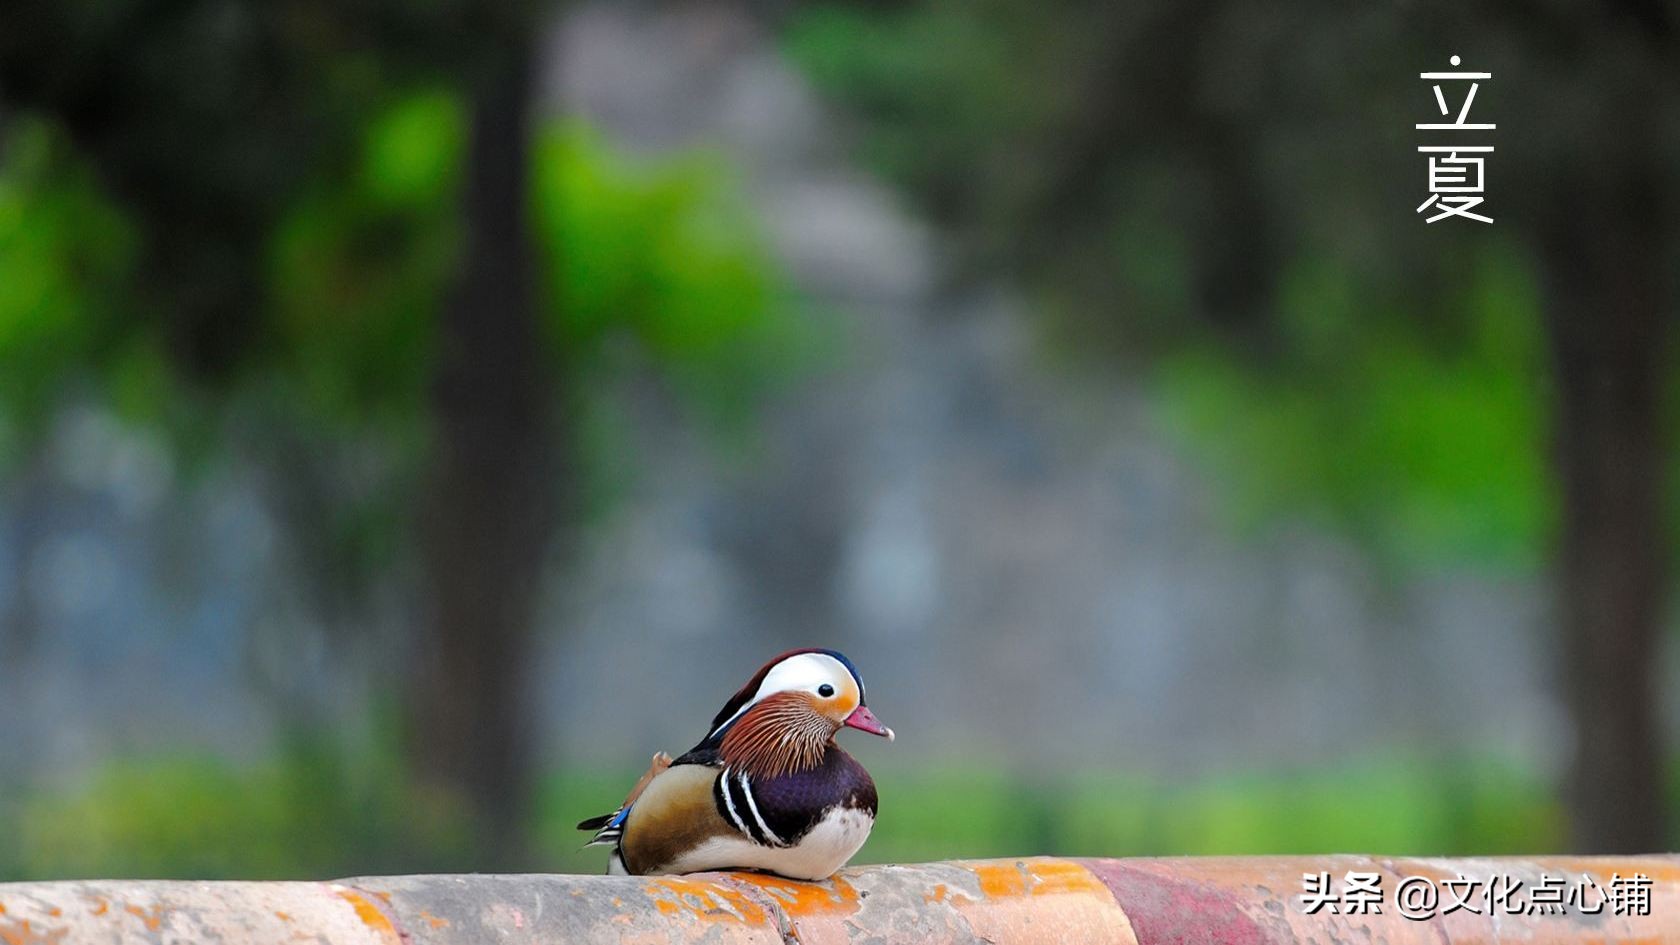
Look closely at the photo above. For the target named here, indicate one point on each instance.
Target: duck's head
(792, 707)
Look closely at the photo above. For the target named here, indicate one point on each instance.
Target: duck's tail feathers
(596, 823)
(610, 827)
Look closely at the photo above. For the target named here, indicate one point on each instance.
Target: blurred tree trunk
(487, 514)
(1608, 308)
(1236, 245)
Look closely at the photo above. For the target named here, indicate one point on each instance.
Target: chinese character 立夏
(1455, 182)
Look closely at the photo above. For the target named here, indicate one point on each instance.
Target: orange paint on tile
(1035, 877)
(803, 899)
(152, 918)
(371, 915)
(1039, 899)
(22, 933)
(435, 921)
(706, 901)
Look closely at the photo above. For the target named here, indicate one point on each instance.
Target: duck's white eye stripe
(803, 671)
(729, 802)
(752, 805)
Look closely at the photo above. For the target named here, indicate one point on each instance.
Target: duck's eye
(825, 690)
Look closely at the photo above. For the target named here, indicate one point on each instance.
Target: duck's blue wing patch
(608, 828)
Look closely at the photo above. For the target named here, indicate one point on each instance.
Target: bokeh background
(415, 414)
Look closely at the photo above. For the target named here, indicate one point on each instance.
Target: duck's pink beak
(865, 720)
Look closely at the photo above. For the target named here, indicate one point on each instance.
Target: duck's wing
(679, 816)
(610, 827)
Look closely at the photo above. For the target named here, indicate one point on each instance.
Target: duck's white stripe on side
(729, 802)
(752, 805)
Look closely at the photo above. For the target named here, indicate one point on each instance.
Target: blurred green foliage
(1432, 456)
(64, 254)
(360, 267)
(1356, 410)
(309, 815)
(1393, 391)
(651, 270)
(935, 118)
(654, 261)
(304, 814)
(647, 266)
(1391, 805)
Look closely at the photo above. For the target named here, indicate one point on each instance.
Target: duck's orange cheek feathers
(783, 733)
(849, 699)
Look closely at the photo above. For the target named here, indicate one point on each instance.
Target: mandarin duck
(767, 789)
